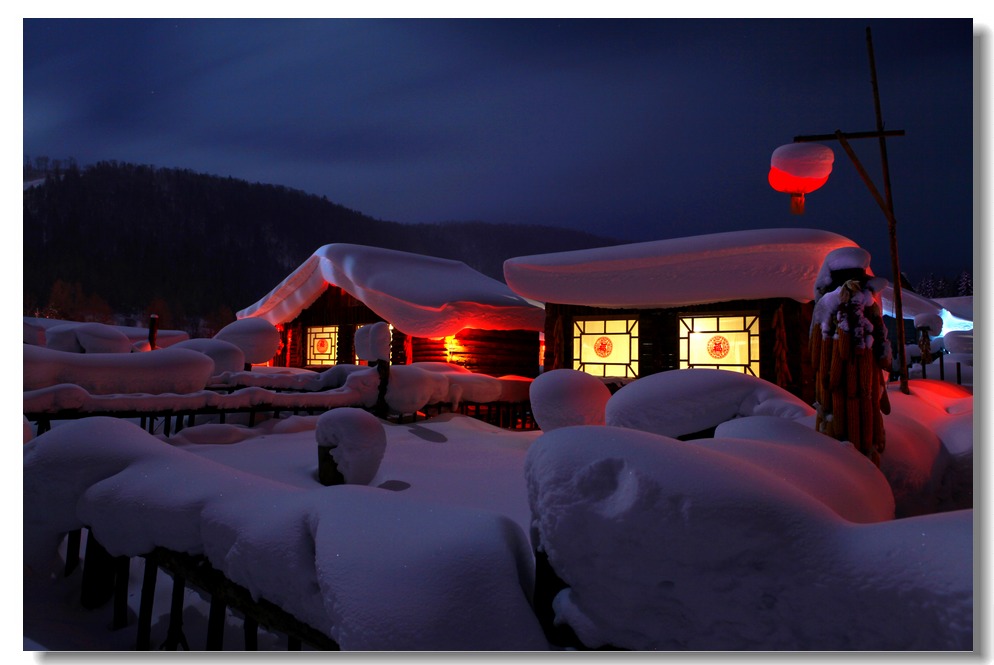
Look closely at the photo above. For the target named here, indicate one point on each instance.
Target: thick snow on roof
(420, 295)
(763, 263)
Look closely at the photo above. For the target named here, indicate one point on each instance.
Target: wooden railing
(106, 578)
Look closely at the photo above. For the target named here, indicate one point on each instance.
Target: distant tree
(217, 319)
(65, 301)
(943, 289)
(161, 308)
(95, 308)
(926, 286)
(964, 284)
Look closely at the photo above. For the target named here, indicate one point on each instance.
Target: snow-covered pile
(565, 397)
(422, 296)
(929, 455)
(258, 339)
(371, 568)
(87, 338)
(688, 401)
(226, 356)
(355, 440)
(164, 371)
(372, 342)
(667, 544)
(288, 378)
(36, 330)
(68, 396)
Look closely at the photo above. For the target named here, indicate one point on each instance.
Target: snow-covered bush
(226, 356)
(564, 397)
(258, 339)
(687, 401)
(355, 440)
(88, 337)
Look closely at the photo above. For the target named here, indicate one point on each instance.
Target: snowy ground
(457, 471)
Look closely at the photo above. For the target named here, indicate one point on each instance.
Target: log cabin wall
(659, 335)
(333, 307)
(493, 352)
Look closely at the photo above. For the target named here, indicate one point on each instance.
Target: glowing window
(606, 347)
(322, 345)
(723, 341)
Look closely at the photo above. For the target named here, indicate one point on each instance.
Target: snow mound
(959, 341)
(257, 338)
(372, 342)
(565, 397)
(87, 338)
(137, 335)
(226, 356)
(671, 545)
(833, 472)
(687, 401)
(34, 334)
(368, 568)
(163, 371)
(355, 440)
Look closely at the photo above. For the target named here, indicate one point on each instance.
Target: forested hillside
(127, 240)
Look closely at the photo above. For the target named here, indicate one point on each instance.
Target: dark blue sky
(639, 130)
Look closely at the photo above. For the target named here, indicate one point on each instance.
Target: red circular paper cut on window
(718, 347)
(603, 347)
(321, 346)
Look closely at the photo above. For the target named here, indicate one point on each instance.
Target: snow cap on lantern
(798, 169)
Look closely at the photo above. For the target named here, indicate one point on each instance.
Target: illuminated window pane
(705, 324)
(606, 347)
(322, 345)
(729, 342)
(616, 326)
(731, 323)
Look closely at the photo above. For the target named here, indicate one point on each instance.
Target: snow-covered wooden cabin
(738, 301)
(439, 310)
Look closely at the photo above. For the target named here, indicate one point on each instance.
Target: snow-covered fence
(417, 391)
(105, 578)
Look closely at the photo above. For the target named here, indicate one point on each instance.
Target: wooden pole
(891, 222)
(885, 201)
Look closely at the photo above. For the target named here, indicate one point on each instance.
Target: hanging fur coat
(849, 348)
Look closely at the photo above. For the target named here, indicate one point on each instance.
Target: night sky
(637, 130)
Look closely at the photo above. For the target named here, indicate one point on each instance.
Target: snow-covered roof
(738, 265)
(420, 295)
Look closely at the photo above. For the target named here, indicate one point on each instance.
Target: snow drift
(369, 568)
(667, 544)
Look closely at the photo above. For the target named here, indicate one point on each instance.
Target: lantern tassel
(797, 204)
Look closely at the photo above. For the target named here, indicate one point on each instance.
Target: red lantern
(798, 169)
